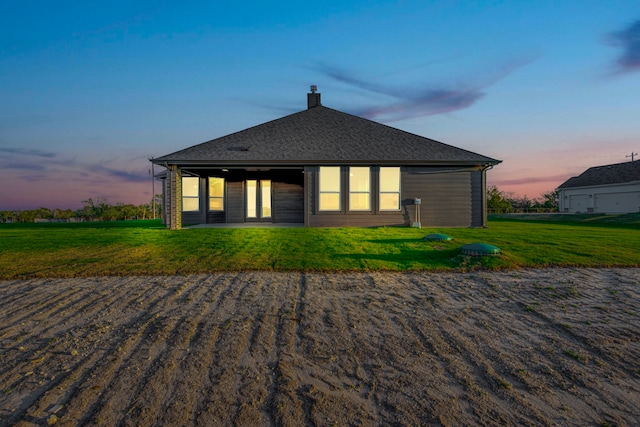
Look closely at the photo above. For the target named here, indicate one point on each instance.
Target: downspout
(483, 184)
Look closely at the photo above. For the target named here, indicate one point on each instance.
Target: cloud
(420, 99)
(629, 41)
(532, 180)
(27, 152)
(23, 166)
(122, 174)
(38, 164)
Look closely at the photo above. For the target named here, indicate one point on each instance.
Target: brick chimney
(313, 98)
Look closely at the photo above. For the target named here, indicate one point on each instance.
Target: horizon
(91, 92)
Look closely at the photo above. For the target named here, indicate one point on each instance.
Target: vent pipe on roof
(313, 98)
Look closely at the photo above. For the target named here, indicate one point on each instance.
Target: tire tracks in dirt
(529, 347)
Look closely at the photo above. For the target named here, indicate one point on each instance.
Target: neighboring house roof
(618, 173)
(322, 135)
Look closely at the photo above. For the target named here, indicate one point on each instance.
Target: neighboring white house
(610, 189)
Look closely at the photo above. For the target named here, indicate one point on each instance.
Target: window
(359, 189)
(252, 198)
(390, 189)
(265, 199)
(329, 188)
(190, 194)
(216, 194)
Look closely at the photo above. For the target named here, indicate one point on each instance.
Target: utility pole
(632, 155)
(153, 189)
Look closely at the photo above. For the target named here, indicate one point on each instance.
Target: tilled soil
(525, 347)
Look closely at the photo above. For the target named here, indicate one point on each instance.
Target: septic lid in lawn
(438, 237)
(479, 249)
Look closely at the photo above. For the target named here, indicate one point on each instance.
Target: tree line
(100, 210)
(501, 202)
(92, 210)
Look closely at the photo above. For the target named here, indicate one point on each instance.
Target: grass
(147, 248)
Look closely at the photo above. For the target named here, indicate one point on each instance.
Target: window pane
(330, 202)
(359, 201)
(329, 188)
(252, 190)
(190, 204)
(389, 201)
(329, 178)
(190, 186)
(359, 188)
(216, 187)
(216, 204)
(359, 179)
(390, 179)
(265, 187)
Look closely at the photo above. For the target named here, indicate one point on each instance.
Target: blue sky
(90, 90)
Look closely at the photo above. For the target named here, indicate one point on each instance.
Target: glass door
(258, 203)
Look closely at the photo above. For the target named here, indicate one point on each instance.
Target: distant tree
(109, 213)
(88, 210)
(64, 214)
(128, 212)
(158, 205)
(521, 203)
(8, 216)
(27, 216)
(550, 200)
(497, 201)
(43, 213)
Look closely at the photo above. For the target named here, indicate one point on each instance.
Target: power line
(632, 155)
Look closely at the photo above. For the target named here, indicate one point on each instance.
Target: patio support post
(175, 198)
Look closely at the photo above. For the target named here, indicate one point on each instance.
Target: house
(324, 168)
(602, 189)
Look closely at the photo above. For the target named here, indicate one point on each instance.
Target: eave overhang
(302, 163)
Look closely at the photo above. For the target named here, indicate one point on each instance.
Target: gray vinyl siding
(288, 201)
(235, 201)
(478, 199)
(445, 195)
(216, 217)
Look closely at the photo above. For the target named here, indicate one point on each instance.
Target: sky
(89, 91)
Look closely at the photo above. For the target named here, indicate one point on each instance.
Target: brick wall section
(175, 198)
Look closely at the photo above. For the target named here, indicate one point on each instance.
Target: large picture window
(216, 194)
(190, 194)
(390, 189)
(359, 189)
(329, 188)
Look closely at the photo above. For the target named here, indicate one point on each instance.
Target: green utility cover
(479, 249)
(438, 237)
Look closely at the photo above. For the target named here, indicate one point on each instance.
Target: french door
(258, 203)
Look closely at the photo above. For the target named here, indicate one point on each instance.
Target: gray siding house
(324, 168)
(609, 189)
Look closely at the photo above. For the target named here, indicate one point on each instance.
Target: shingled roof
(322, 135)
(618, 173)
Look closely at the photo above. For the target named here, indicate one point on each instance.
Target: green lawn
(146, 248)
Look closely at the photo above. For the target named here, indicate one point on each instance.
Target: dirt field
(528, 347)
